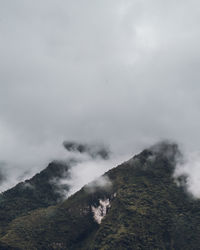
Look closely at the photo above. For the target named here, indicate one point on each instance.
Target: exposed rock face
(101, 211)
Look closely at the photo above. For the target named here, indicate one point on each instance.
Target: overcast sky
(122, 72)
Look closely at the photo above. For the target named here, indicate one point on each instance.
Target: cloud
(103, 182)
(187, 173)
(87, 170)
(125, 73)
(93, 150)
(168, 149)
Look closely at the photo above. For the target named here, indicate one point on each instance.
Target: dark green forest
(147, 209)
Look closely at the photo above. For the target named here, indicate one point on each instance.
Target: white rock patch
(101, 211)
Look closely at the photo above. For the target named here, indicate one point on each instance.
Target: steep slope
(39, 191)
(143, 209)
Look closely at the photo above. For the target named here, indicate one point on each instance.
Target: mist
(122, 73)
(89, 163)
(86, 172)
(189, 168)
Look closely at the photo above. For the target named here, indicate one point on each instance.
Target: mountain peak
(143, 208)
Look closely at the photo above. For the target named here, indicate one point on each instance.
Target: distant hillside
(142, 209)
(40, 191)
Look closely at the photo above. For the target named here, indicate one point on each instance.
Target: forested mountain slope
(40, 191)
(144, 208)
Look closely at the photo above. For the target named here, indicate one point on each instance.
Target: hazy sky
(125, 73)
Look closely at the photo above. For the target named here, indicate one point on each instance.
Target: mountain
(40, 191)
(144, 208)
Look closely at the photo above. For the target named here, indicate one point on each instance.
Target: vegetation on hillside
(148, 211)
(40, 191)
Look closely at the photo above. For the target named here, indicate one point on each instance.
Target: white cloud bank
(125, 72)
(190, 168)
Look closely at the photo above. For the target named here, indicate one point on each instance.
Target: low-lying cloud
(103, 182)
(189, 169)
(88, 170)
(122, 72)
(93, 150)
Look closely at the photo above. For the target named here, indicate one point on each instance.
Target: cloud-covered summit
(121, 72)
(93, 150)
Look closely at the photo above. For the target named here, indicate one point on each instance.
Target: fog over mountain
(136, 205)
(123, 73)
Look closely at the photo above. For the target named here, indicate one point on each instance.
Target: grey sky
(125, 73)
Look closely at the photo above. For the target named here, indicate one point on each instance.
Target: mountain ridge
(142, 209)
